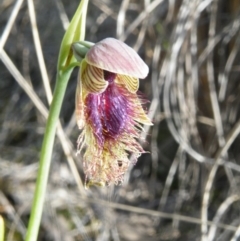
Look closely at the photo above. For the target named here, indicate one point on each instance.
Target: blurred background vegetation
(187, 187)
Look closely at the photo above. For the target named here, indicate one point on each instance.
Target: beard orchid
(109, 110)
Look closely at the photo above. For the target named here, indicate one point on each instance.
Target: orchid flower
(109, 110)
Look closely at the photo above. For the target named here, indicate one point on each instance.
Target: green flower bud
(80, 49)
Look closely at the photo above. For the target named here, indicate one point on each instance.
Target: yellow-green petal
(131, 83)
(141, 116)
(92, 78)
(79, 105)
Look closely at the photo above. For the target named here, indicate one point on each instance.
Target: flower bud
(80, 49)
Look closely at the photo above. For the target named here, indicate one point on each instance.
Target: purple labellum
(108, 112)
(109, 76)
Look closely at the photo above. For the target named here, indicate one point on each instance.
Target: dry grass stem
(186, 187)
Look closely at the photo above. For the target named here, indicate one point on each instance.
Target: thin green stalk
(65, 65)
(45, 157)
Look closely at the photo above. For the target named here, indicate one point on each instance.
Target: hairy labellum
(109, 110)
(108, 113)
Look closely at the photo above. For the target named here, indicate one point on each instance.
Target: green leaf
(74, 33)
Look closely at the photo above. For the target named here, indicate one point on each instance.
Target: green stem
(1, 229)
(75, 32)
(46, 153)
